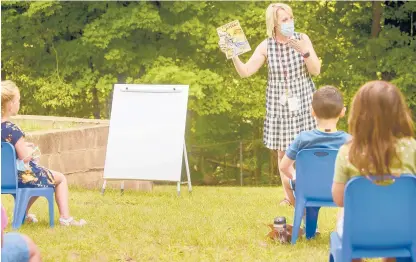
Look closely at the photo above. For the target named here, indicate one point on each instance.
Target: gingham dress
(287, 71)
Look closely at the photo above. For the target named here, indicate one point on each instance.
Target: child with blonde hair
(30, 174)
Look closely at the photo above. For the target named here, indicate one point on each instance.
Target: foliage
(66, 56)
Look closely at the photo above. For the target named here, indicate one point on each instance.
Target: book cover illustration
(233, 40)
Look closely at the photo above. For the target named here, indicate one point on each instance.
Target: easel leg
(103, 188)
(188, 173)
(122, 187)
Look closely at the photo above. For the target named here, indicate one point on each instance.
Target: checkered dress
(287, 71)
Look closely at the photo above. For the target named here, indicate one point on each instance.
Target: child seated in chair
(383, 140)
(30, 173)
(327, 108)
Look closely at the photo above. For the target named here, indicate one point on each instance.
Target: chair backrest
(8, 166)
(380, 216)
(315, 173)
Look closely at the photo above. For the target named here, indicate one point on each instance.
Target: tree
(66, 56)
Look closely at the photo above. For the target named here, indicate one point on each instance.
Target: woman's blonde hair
(271, 16)
(8, 92)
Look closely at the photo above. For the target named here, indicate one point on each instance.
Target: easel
(188, 174)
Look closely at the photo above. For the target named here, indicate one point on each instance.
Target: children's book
(233, 38)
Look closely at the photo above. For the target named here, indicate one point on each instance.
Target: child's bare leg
(61, 194)
(34, 253)
(31, 201)
(286, 186)
(61, 197)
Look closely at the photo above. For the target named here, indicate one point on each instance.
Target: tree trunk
(257, 154)
(95, 100)
(376, 25)
(95, 103)
(258, 163)
(273, 164)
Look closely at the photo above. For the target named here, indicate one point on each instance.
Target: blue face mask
(287, 29)
(20, 165)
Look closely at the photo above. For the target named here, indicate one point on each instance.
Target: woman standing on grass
(30, 174)
(291, 61)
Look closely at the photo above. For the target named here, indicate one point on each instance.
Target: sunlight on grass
(30, 126)
(212, 224)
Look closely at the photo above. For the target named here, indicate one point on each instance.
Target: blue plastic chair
(314, 176)
(379, 221)
(21, 196)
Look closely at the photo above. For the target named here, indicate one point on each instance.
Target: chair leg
(51, 209)
(24, 217)
(311, 221)
(15, 205)
(412, 254)
(299, 207)
(22, 201)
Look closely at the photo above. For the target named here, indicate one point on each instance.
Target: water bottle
(36, 154)
(279, 225)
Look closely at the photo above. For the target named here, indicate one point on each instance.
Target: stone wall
(75, 147)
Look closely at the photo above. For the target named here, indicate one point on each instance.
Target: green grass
(29, 127)
(212, 224)
(32, 127)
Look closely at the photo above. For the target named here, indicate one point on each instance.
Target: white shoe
(71, 222)
(31, 218)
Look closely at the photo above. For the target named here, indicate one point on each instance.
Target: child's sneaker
(71, 222)
(31, 218)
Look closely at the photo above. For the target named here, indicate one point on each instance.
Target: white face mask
(287, 29)
(21, 166)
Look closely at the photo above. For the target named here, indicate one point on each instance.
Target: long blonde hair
(379, 117)
(8, 92)
(271, 16)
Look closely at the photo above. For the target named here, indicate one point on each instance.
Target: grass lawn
(30, 127)
(212, 224)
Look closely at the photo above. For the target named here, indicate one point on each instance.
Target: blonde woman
(291, 61)
(30, 174)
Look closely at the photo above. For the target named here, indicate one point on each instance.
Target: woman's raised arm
(254, 63)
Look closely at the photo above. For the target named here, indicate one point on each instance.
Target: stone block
(55, 163)
(101, 138)
(74, 161)
(77, 151)
(72, 140)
